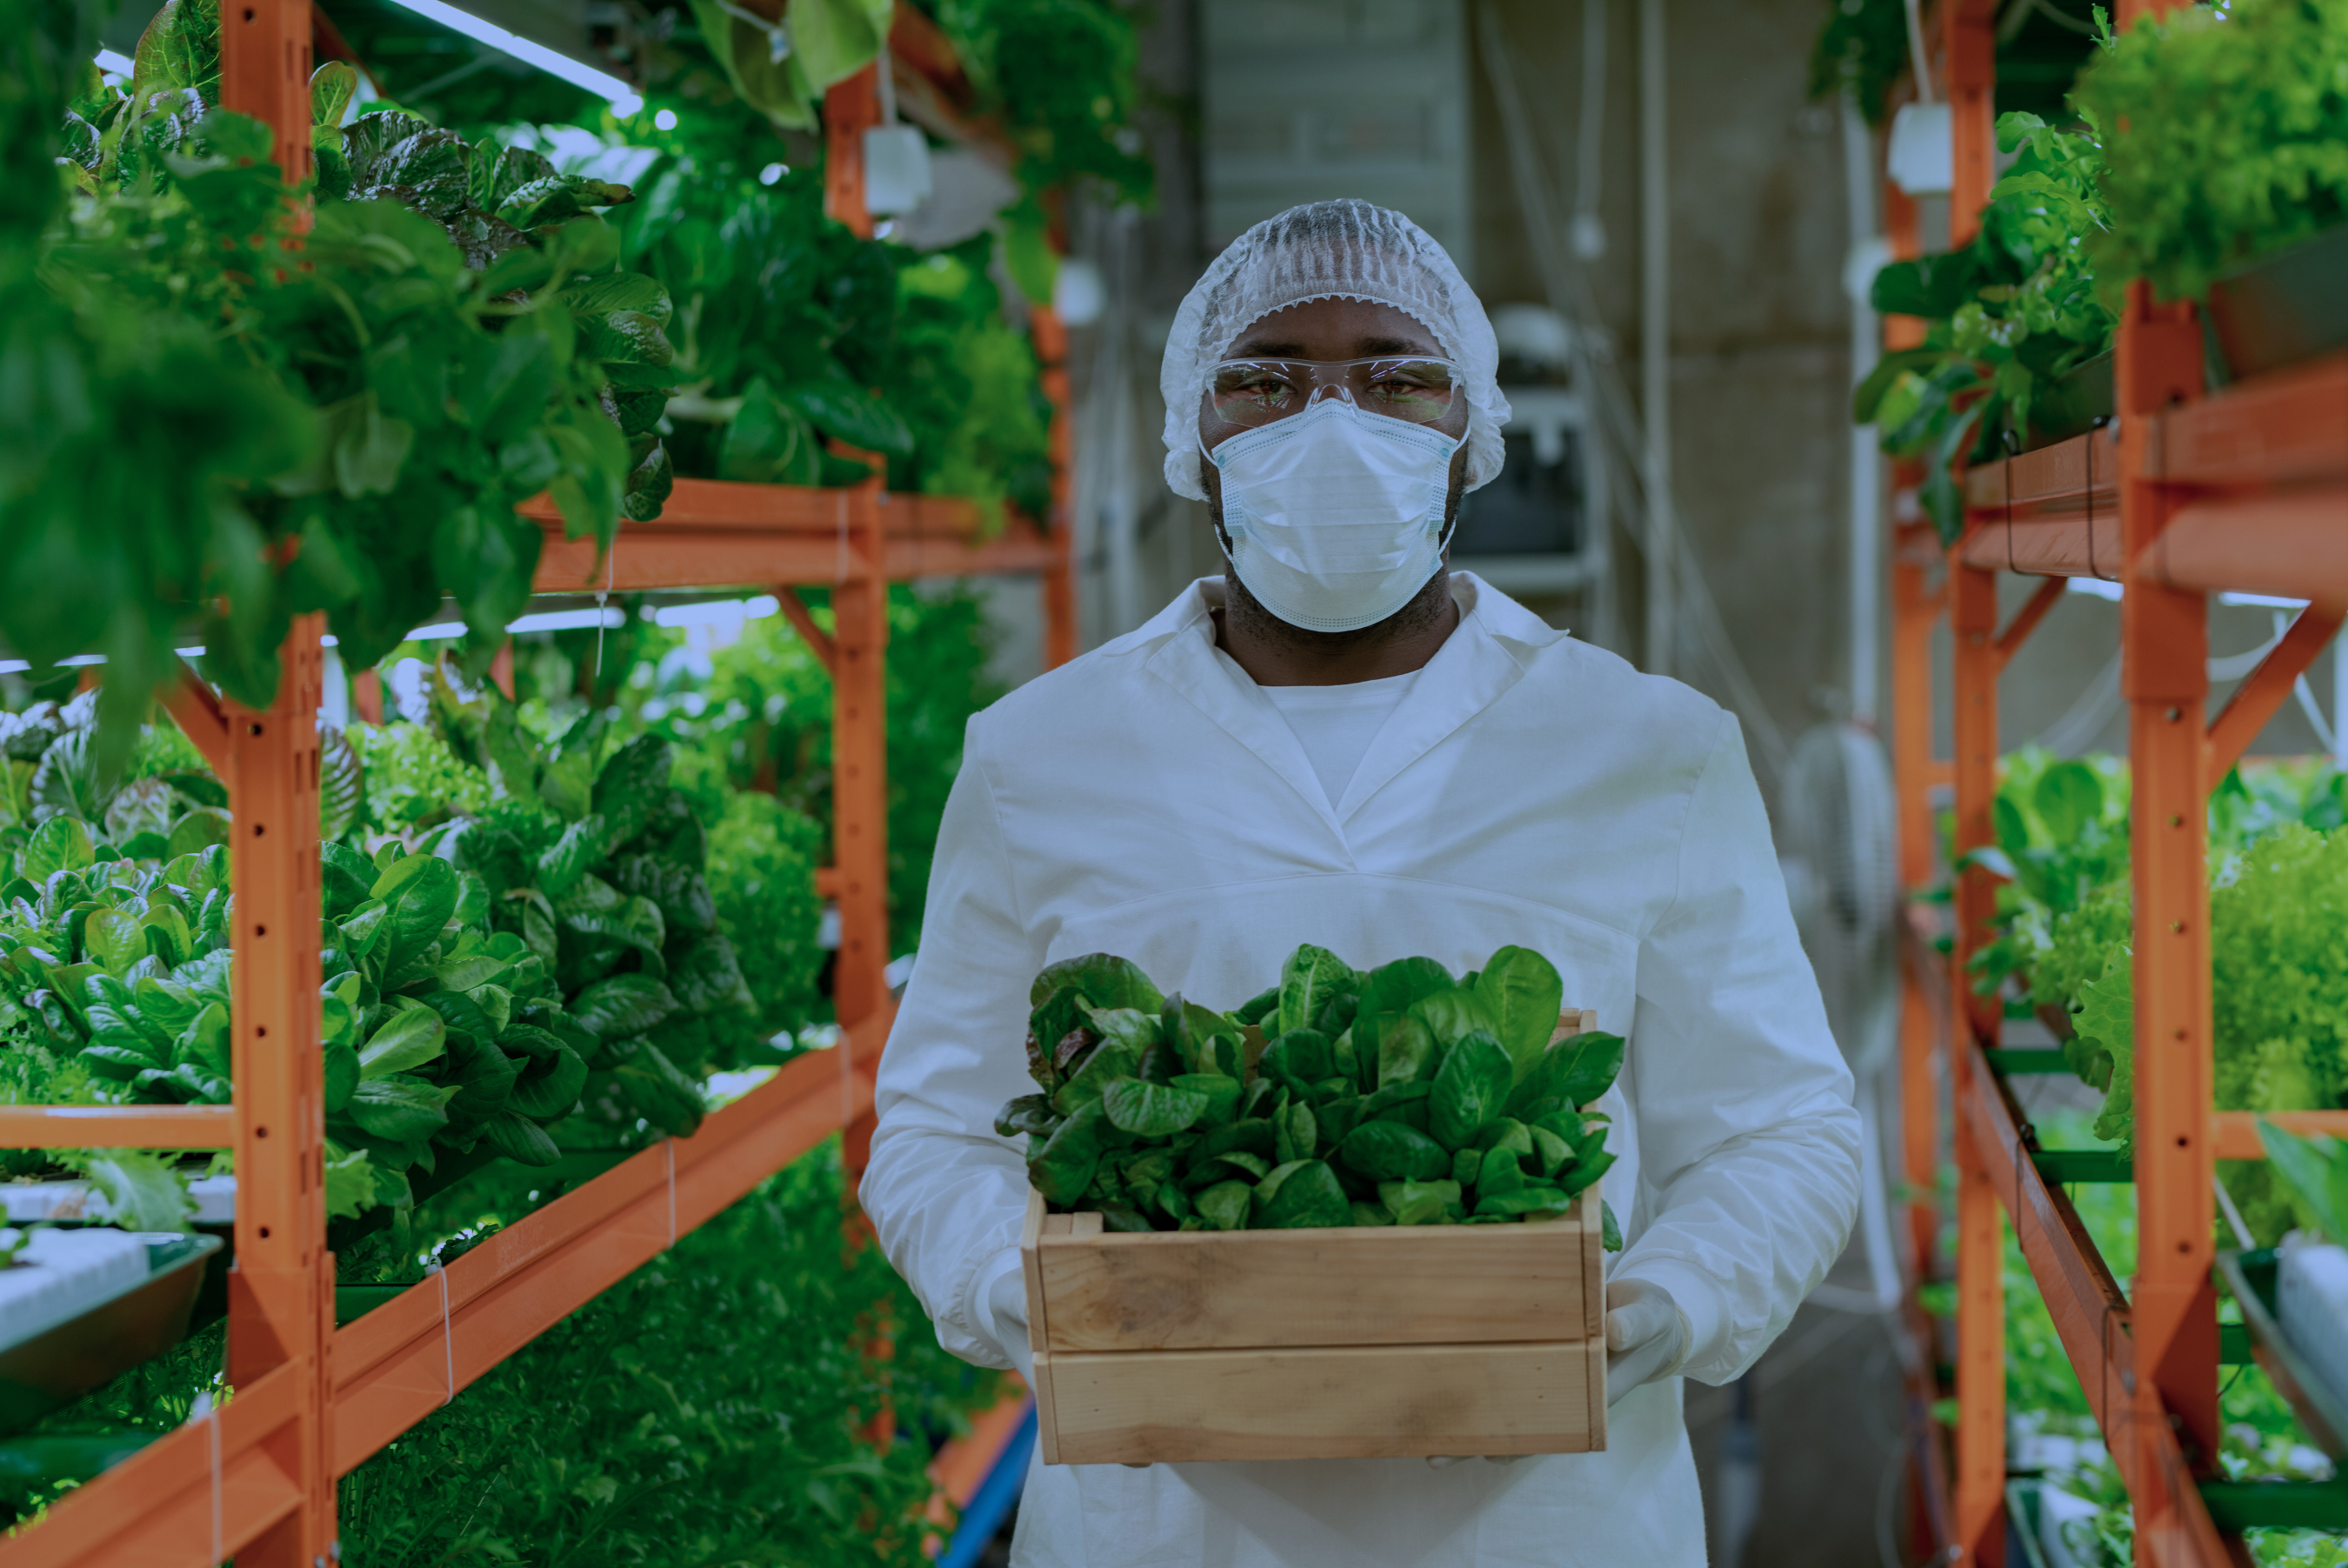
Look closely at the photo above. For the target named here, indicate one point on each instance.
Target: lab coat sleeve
(946, 1194)
(1749, 1145)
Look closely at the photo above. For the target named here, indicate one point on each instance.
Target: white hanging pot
(1923, 157)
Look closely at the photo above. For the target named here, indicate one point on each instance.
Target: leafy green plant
(758, 714)
(703, 1410)
(782, 67)
(1402, 1096)
(608, 888)
(762, 860)
(1061, 77)
(1862, 47)
(2316, 1169)
(352, 412)
(2230, 137)
(2007, 317)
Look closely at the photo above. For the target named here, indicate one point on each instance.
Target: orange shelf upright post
(1981, 1286)
(1969, 47)
(264, 64)
(2165, 643)
(1051, 339)
(850, 108)
(859, 760)
(1968, 44)
(282, 1289)
(1917, 605)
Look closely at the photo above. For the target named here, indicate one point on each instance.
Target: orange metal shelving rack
(2191, 494)
(312, 1401)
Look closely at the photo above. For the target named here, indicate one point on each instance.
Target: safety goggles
(1259, 391)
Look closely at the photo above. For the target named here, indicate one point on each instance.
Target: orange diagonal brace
(817, 640)
(2258, 698)
(2027, 619)
(962, 1465)
(197, 713)
(156, 1508)
(117, 1126)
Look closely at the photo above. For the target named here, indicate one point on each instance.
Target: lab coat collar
(1484, 656)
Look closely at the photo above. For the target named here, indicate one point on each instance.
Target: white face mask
(1335, 516)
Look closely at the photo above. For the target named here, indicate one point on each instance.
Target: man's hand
(1647, 1336)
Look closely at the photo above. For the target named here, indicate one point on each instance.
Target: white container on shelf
(2312, 1306)
(62, 1274)
(80, 1203)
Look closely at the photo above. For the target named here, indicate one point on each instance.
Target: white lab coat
(1148, 800)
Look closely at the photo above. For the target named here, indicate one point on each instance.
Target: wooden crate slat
(1349, 1402)
(1192, 1290)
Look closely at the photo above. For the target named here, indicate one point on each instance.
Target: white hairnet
(1324, 250)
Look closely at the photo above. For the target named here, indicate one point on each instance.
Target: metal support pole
(1654, 336)
(1051, 340)
(1915, 612)
(850, 108)
(1969, 38)
(264, 60)
(2164, 640)
(282, 1290)
(1980, 1523)
(860, 602)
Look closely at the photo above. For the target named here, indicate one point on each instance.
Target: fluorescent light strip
(569, 621)
(619, 94)
(116, 65)
(717, 613)
(712, 612)
(2261, 602)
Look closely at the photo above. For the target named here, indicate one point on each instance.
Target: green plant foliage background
(701, 1411)
(757, 715)
(2236, 139)
(224, 422)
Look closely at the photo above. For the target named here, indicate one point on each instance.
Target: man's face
(1332, 330)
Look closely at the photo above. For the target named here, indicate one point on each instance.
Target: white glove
(1007, 1304)
(1647, 1336)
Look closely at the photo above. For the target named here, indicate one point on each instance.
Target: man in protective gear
(1342, 742)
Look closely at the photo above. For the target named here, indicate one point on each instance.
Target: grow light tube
(603, 85)
(115, 65)
(717, 613)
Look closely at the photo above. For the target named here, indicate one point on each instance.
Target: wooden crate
(1370, 1343)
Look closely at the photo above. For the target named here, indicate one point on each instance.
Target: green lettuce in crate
(1399, 1096)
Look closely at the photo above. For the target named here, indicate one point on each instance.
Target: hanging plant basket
(2081, 399)
(74, 1337)
(2279, 310)
(2321, 1406)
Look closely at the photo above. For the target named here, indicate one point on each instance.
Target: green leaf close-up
(1431, 1120)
